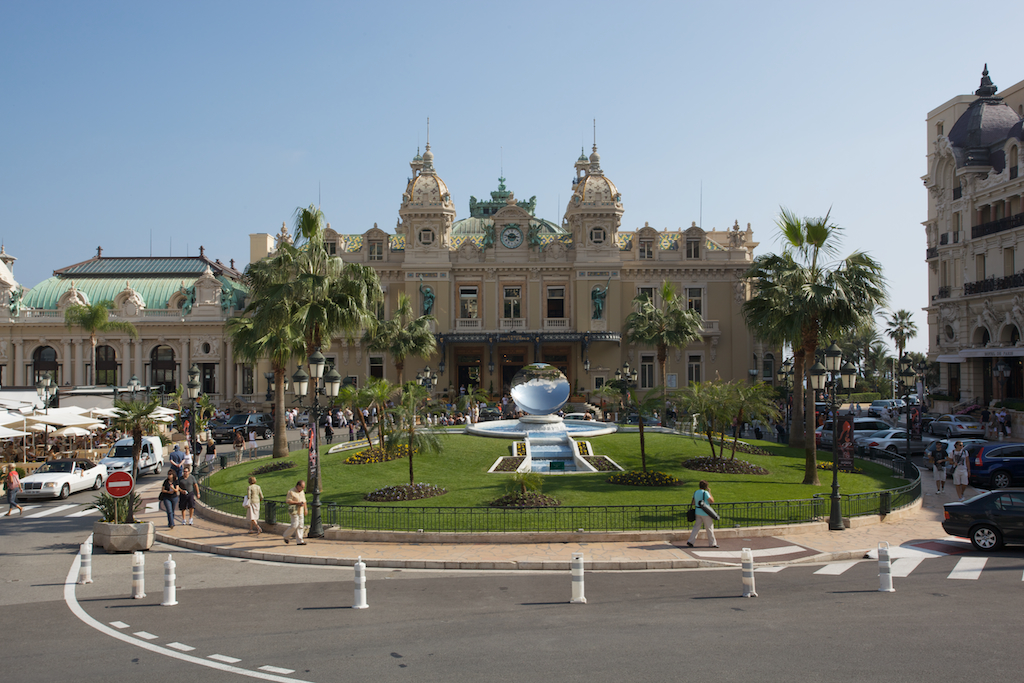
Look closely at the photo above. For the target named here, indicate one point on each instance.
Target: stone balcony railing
(556, 323)
(513, 323)
(469, 324)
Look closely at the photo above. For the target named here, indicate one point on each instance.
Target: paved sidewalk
(912, 526)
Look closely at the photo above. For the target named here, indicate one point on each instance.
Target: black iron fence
(569, 519)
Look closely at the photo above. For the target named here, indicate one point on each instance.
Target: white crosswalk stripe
(83, 513)
(968, 568)
(836, 569)
(902, 567)
(51, 511)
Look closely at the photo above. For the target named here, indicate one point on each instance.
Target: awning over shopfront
(998, 352)
(949, 358)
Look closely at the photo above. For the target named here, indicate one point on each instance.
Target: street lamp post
(785, 377)
(133, 386)
(427, 378)
(45, 388)
(193, 393)
(331, 385)
(833, 366)
(626, 380)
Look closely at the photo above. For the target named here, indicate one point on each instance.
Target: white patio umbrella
(72, 431)
(6, 433)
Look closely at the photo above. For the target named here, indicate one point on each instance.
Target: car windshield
(880, 434)
(59, 467)
(121, 451)
(238, 419)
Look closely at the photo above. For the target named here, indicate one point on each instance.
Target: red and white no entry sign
(119, 484)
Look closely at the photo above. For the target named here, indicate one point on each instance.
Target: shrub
(825, 465)
(375, 454)
(723, 466)
(652, 478)
(116, 509)
(405, 492)
(272, 467)
(530, 499)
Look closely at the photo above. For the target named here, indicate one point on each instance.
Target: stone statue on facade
(597, 297)
(428, 298)
(15, 303)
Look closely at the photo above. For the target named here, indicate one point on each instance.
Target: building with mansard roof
(509, 288)
(975, 243)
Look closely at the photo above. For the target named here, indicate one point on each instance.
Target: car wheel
(985, 537)
(65, 491)
(97, 484)
(891, 449)
(156, 468)
(949, 432)
(1001, 480)
(267, 434)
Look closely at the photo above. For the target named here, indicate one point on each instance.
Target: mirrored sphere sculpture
(540, 389)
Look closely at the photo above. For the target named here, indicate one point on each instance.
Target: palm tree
(412, 406)
(95, 318)
(355, 398)
(402, 336)
(673, 325)
(752, 402)
(802, 296)
(378, 392)
(900, 327)
(710, 402)
(136, 418)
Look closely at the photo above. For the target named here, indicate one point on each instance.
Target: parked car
(947, 445)
(583, 416)
(862, 426)
(879, 407)
(302, 419)
(489, 414)
(996, 465)
(892, 440)
(244, 422)
(989, 520)
(61, 478)
(151, 457)
(956, 425)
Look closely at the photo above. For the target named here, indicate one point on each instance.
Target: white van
(119, 459)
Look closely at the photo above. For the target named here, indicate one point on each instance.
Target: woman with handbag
(705, 516)
(253, 497)
(169, 496)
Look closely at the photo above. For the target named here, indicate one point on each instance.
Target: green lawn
(462, 467)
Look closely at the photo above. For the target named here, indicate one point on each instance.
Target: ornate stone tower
(595, 208)
(427, 211)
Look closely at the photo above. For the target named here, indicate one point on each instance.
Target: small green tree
(752, 402)
(136, 418)
(95, 318)
(412, 407)
(711, 403)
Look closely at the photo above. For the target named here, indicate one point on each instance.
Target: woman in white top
(703, 495)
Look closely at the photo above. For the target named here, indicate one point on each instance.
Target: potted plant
(114, 533)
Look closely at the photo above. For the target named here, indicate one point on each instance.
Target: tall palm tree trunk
(810, 342)
(797, 435)
(280, 425)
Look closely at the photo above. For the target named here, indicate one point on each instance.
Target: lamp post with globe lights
(847, 373)
(193, 393)
(331, 384)
(785, 379)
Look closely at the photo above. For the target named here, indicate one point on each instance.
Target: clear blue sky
(197, 123)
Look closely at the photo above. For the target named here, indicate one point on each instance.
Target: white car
(61, 478)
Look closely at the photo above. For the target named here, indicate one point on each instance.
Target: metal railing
(998, 225)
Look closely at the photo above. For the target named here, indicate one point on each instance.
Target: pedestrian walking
(328, 431)
(254, 496)
(189, 488)
(296, 500)
(169, 496)
(961, 469)
(252, 443)
(211, 454)
(13, 485)
(939, 459)
(702, 497)
(177, 458)
(239, 445)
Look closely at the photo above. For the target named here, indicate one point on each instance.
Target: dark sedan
(989, 520)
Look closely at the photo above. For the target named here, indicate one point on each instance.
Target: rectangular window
(468, 303)
(209, 378)
(694, 300)
(247, 385)
(646, 291)
(692, 248)
(377, 367)
(556, 302)
(646, 370)
(350, 380)
(768, 368)
(954, 380)
(979, 267)
(693, 368)
(599, 381)
(646, 249)
(1008, 264)
(332, 248)
(376, 250)
(513, 302)
(671, 381)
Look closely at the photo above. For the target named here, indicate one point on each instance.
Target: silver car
(956, 425)
(892, 440)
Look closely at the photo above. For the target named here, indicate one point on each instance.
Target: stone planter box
(123, 538)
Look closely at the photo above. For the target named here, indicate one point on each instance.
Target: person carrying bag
(704, 515)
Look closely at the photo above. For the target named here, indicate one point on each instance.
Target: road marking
(83, 513)
(181, 646)
(763, 552)
(144, 634)
(225, 658)
(118, 624)
(71, 582)
(903, 566)
(52, 511)
(24, 509)
(276, 670)
(968, 568)
(770, 570)
(152, 507)
(835, 569)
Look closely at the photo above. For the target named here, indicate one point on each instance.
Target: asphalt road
(255, 619)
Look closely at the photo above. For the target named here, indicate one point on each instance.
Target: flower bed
(405, 492)
(723, 466)
(639, 478)
(374, 454)
(509, 463)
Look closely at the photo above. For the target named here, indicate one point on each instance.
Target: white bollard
(169, 577)
(360, 597)
(884, 569)
(747, 561)
(577, 579)
(85, 571)
(138, 575)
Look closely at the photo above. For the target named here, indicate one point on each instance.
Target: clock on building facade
(512, 236)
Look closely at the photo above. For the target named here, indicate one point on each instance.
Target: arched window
(162, 368)
(768, 373)
(106, 366)
(44, 362)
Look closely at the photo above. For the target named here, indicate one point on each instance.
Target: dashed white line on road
(51, 511)
(902, 566)
(761, 552)
(770, 570)
(968, 568)
(83, 513)
(181, 646)
(144, 634)
(835, 569)
(118, 624)
(276, 670)
(225, 659)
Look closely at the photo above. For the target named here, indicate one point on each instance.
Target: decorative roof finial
(988, 88)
